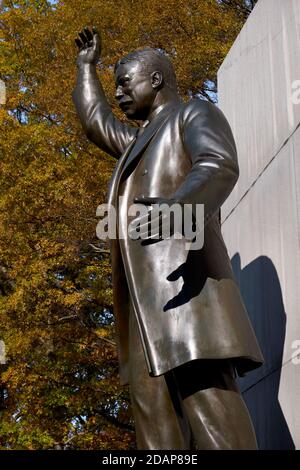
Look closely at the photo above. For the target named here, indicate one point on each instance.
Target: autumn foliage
(59, 387)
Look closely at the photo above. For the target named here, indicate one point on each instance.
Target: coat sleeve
(95, 114)
(210, 145)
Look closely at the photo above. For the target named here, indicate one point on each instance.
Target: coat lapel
(114, 181)
(134, 150)
(147, 135)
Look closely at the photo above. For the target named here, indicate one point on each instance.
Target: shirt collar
(156, 112)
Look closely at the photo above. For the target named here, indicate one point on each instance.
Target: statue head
(141, 77)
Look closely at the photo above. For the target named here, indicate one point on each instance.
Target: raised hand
(89, 45)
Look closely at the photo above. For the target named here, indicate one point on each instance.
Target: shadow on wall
(261, 291)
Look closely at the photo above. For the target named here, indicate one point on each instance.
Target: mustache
(124, 102)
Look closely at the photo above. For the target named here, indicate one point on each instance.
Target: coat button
(145, 172)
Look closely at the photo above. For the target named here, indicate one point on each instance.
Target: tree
(59, 387)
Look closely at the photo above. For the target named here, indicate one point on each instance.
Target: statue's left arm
(210, 145)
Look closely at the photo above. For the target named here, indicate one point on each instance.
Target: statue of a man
(183, 330)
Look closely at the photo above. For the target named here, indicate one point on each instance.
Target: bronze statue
(183, 330)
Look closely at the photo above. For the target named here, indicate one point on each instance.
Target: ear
(156, 79)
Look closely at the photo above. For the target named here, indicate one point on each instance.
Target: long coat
(186, 302)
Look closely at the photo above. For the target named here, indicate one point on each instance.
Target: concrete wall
(261, 218)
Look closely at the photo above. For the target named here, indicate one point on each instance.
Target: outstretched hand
(156, 222)
(89, 45)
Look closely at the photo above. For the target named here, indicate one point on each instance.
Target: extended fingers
(146, 226)
(151, 226)
(85, 39)
(81, 41)
(88, 34)
(147, 201)
(78, 43)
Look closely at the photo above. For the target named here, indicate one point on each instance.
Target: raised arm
(94, 111)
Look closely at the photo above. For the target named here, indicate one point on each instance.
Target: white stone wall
(259, 94)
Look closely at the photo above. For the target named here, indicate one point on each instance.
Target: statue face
(135, 91)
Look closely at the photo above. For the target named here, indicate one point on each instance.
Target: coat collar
(150, 130)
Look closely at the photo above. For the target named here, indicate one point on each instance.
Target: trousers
(196, 406)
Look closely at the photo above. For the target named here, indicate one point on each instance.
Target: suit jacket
(186, 302)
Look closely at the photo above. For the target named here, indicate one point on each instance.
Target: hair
(152, 60)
